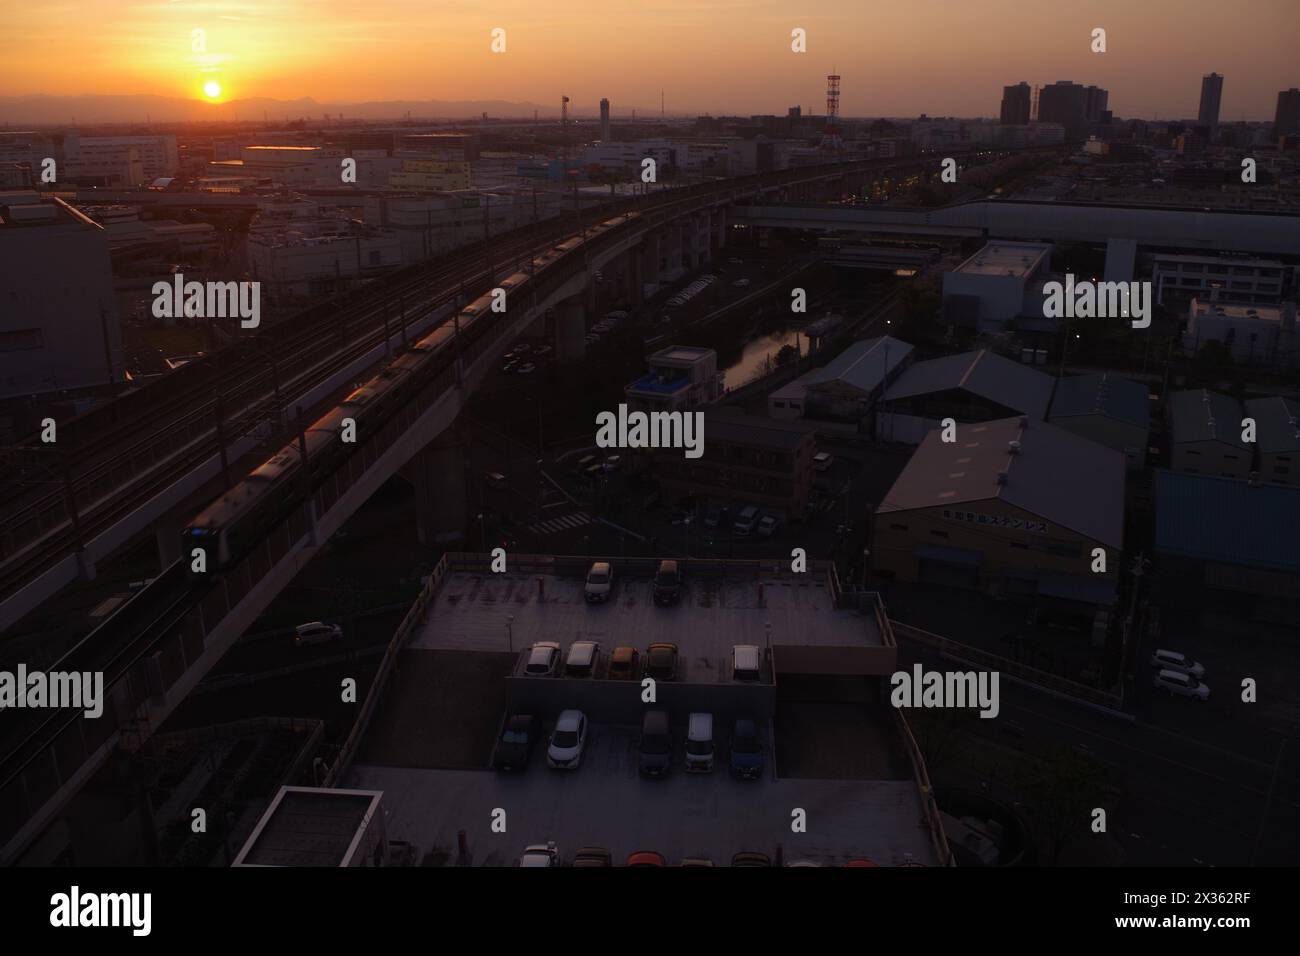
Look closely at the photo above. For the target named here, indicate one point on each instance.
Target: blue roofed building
(1229, 543)
(1116, 412)
(680, 377)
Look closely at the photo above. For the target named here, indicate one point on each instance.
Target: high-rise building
(1286, 122)
(1066, 103)
(604, 121)
(1211, 97)
(1094, 103)
(1015, 104)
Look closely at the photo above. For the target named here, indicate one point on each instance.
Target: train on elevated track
(374, 415)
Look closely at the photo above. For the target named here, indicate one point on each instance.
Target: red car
(646, 858)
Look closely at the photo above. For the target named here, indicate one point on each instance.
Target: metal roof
(1062, 478)
(982, 373)
(1227, 519)
(1120, 399)
(1277, 424)
(1201, 415)
(863, 365)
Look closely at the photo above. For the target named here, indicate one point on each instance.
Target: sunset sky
(944, 57)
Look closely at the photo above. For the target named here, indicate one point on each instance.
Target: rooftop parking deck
(606, 803)
(452, 677)
(490, 612)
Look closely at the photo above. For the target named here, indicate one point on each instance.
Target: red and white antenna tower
(831, 137)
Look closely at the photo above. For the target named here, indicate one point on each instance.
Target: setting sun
(212, 89)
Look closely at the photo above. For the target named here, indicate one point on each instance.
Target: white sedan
(567, 741)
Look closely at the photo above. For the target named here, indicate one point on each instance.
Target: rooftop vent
(1013, 447)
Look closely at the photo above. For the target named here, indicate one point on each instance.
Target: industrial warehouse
(1010, 508)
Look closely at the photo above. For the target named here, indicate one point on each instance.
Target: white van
(699, 743)
(746, 662)
(746, 521)
(1174, 661)
(1184, 685)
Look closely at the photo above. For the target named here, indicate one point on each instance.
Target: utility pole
(221, 441)
(1268, 802)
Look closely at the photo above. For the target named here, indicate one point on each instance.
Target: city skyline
(954, 62)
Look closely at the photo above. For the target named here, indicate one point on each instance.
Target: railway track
(116, 471)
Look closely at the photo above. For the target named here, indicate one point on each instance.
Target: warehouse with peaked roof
(970, 387)
(1205, 435)
(1012, 507)
(1229, 542)
(845, 388)
(1277, 439)
(1115, 412)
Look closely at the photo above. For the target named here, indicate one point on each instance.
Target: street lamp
(510, 633)
(482, 534)
(866, 567)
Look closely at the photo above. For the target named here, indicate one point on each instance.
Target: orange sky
(944, 57)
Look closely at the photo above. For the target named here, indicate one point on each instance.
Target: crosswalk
(563, 523)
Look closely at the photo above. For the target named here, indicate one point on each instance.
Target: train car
(514, 282)
(213, 531)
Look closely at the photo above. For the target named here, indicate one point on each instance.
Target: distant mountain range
(42, 110)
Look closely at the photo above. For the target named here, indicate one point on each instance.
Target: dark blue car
(746, 750)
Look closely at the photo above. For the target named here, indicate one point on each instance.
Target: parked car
(527, 368)
(746, 662)
(317, 632)
(1181, 684)
(823, 460)
(542, 351)
(712, 518)
(696, 861)
(515, 745)
(1174, 661)
(589, 856)
(699, 743)
(746, 750)
(767, 526)
(646, 858)
(655, 749)
(623, 663)
(746, 520)
(661, 661)
(540, 854)
(750, 858)
(543, 659)
(740, 283)
(581, 661)
(496, 480)
(600, 581)
(668, 583)
(567, 741)
(612, 463)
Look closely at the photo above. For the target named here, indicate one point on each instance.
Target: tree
(1064, 787)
